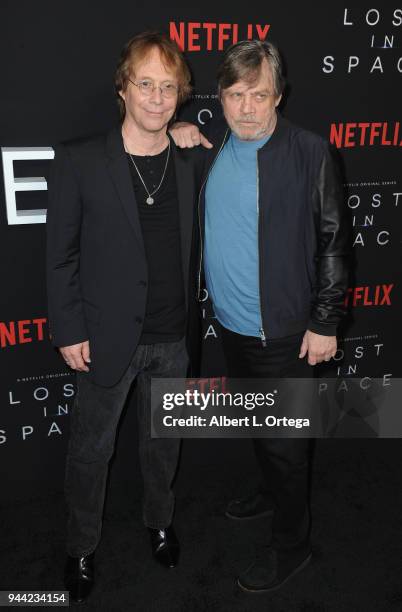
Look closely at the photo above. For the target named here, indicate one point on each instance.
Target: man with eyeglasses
(120, 288)
(273, 256)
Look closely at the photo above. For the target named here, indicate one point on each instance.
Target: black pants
(95, 416)
(284, 461)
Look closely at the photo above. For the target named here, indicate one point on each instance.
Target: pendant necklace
(150, 200)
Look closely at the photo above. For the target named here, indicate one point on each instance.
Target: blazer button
(138, 319)
(142, 283)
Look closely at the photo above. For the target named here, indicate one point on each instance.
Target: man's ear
(122, 95)
(278, 99)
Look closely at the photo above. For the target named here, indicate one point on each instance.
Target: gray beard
(256, 136)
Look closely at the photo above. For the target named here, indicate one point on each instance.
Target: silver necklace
(150, 199)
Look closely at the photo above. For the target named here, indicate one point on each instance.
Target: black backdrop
(57, 63)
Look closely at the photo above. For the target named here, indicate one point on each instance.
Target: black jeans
(95, 416)
(284, 461)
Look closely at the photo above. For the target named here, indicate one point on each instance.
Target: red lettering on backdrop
(357, 295)
(386, 299)
(188, 35)
(396, 135)
(209, 27)
(7, 335)
(178, 37)
(366, 301)
(205, 385)
(221, 35)
(343, 134)
(39, 324)
(374, 132)
(192, 36)
(363, 127)
(365, 295)
(262, 32)
(384, 133)
(349, 133)
(214, 384)
(336, 134)
(21, 332)
(235, 38)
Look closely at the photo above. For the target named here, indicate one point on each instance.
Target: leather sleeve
(63, 229)
(333, 248)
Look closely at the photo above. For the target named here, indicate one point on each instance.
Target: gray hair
(243, 60)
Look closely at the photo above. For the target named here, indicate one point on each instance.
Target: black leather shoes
(79, 577)
(165, 546)
(250, 507)
(272, 569)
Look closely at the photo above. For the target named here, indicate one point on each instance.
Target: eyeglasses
(146, 87)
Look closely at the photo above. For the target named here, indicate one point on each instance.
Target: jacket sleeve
(332, 248)
(63, 228)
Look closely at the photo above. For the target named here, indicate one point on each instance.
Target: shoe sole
(278, 586)
(233, 517)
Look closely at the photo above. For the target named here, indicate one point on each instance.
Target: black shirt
(160, 224)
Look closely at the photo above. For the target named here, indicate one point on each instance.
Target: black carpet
(357, 536)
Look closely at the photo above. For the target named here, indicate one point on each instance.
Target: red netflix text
(365, 134)
(197, 36)
(369, 295)
(21, 332)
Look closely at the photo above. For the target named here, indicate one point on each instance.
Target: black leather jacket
(303, 232)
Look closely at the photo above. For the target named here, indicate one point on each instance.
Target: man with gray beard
(274, 260)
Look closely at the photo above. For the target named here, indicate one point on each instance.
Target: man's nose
(156, 95)
(247, 104)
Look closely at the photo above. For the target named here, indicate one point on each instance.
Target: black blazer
(96, 267)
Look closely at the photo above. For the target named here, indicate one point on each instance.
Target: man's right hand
(77, 356)
(187, 135)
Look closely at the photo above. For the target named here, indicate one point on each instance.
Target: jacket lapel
(120, 174)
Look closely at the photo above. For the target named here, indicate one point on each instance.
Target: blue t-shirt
(231, 237)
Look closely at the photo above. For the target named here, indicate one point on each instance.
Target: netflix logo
(197, 36)
(365, 134)
(369, 295)
(22, 332)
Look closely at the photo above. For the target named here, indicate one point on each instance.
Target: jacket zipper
(260, 259)
(199, 217)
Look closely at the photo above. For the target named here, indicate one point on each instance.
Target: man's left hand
(187, 135)
(318, 348)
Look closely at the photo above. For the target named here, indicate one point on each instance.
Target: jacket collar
(114, 143)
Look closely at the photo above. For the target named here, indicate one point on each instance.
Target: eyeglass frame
(160, 87)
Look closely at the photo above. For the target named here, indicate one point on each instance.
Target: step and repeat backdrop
(344, 68)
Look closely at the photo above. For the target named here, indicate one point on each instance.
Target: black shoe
(251, 507)
(272, 569)
(79, 577)
(165, 547)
